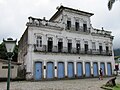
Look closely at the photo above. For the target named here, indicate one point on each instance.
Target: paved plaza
(76, 84)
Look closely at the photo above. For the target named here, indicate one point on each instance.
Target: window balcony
(103, 52)
(78, 30)
(65, 50)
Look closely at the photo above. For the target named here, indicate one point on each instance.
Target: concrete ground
(76, 84)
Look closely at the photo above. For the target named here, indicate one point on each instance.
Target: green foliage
(15, 53)
(117, 87)
(3, 52)
(117, 52)
(110, 4)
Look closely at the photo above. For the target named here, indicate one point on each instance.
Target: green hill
(117, 52)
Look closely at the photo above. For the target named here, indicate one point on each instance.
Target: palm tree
(110, 4)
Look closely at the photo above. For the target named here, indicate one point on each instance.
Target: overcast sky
(14, 15)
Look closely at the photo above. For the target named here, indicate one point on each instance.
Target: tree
(15, 54)
(117, 52)
(3, 52)
(110, 4)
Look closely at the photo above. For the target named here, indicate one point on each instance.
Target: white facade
(4, 69)
(67, 44)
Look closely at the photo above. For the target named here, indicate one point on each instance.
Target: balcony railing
(80, 29)
(54, 49)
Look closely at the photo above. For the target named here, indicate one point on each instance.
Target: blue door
(102, 65)
(79, 69)
(38, 70)
(87, 69)
(70, 70)
(109, 69)
(95, 69)
(50, 70)
(60, 70)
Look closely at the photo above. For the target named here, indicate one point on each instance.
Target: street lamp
(10, 45)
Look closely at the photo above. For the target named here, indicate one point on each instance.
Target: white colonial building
(66, 46)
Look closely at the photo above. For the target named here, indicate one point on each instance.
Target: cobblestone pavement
(78, 84)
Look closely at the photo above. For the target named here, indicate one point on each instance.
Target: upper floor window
(107, 49)
(93, 46)
(86, 46)
(39, 41)
(100, 47)
(50, 44)
(69, 46)
(60, 45)
(78, 46)
(68, 24)
(76, 26)
(84, 27)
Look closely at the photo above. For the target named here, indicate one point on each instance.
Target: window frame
(39, 41)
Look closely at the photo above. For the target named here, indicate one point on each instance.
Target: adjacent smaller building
(4, 69)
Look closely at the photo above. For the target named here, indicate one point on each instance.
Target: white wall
(56, 33)
(4, 71)
(71, 58)
(45, 33)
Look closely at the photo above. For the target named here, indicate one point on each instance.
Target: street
(76, 84)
